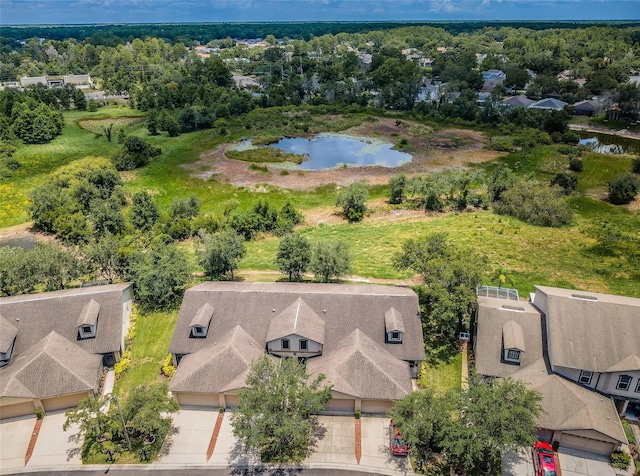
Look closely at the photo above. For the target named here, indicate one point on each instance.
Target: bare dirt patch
(432, 151)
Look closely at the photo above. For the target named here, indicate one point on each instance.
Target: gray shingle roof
(203, 316)
(363, 364)
(549, 104)
(8, 332)
(591, 331)
(298, 319)
(518, 101)
(89, 314)
(53, 366)
(492, 315)
(222, 366)
(360, 367)
(393, 320)
(36, 315)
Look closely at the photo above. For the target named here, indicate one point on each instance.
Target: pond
(327, 151)
(609, 144)
(26, 242)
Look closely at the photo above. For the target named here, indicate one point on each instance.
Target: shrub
(534, 204)
(353, 200)
(168, 369)
(623, 189)
(576, 165)
(136, 152)
(620, 460)
(39, 413)
(570, 137)
(124, 364)
(635, 165)
(565, 181)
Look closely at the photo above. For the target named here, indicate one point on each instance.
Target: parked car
(397, 445)
(544, 459)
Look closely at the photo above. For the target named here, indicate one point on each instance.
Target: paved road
(128, 471)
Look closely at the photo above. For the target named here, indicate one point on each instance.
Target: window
(395, 335)
(198, 331)
(638, 386)
(86, 329)
(585, 377)
(304, 344)
(624, 381)
(285, 344)
(513, 354)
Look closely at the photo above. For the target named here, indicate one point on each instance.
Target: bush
(123, 365)
(136, 152)
(620, 460)
(623, 189)
(39, 413)
(535, 204)
(168, 369)
(576, 165)
(635, 165)
(353, 201)
(565, 181)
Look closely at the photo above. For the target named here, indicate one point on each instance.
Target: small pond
(609, 144)
(26, 242)
(327, 151)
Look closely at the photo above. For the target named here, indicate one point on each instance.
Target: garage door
(586, 444)
(197, 399)
(340, 405)
(231, 400)
(17, 409)
(380, 407)
(63, 402)
(544, 435)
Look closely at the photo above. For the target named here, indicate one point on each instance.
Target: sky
(14, 12)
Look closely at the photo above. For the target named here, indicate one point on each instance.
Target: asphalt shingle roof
(298, 319)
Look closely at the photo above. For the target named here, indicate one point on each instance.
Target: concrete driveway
(189, 441)
(56, 447)
(572, 463)
(14, 440)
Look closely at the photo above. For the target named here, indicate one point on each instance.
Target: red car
(544, 460)
(397, 445)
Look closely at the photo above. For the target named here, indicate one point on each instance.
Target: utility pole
(124, 427)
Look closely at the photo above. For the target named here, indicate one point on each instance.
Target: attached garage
(17, 410)
(63, 402)
(589, 445)
(231, 400)
(197, 399)
(340, 405)
(380, 407)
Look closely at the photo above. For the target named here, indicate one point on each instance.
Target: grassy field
(443, 376)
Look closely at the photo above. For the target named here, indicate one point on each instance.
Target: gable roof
(37, 315)
(8, 333)
(568, 406)
(202, 317)
(54, 366)
(591, 331)
(222, 366)
(393, 320)
(586, 105)
(89, 314)
(360, 367)
(297, 319)
(512, 336)
(518, 101)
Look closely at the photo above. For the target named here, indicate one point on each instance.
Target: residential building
(54, 345)
(514, 339)
(549, 104)
(366, 339)
(517, 101)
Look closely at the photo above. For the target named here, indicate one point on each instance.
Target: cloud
(444, 6)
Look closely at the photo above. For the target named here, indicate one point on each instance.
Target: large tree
(353, 201)
(493, 416)
(294, 256)
(448, 295)
(275, 413)
(221, 253)
(330, 260)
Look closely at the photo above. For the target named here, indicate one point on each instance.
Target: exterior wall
(573, 374)
(313, 348)
(609, 381)
(127, 305)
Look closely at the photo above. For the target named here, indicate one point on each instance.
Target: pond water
(26, 242)
(609, 144)
(327, 151)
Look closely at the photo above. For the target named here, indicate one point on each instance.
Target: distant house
(510, 342)
(517, 101)
(53, 345)
(366, 339)
(27, 81)
(587, 108)
(77, 80)
(492, 78)
(549, 104)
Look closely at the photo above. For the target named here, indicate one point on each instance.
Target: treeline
(112, 35)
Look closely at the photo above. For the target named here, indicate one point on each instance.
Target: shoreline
(624, 133)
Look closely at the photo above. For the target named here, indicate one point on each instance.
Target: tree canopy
(275, 413)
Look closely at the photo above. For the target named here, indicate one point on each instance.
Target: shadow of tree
(78, 440)
(168, 441)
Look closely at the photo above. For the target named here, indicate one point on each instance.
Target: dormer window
(87, 323)
(297, 328)
(513, 355)
(304, 344)
(201, 321)
(285, 344)
(394, 326)
(512, 342)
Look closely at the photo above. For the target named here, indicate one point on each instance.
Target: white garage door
(380, 407)
(231, 400)
(197, 399)
(586, 444)
(17, 409)
(340, 405)
(63, 402)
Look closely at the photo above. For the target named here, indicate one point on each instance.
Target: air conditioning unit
(465, 336)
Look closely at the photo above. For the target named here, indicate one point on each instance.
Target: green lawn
(443, 376)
